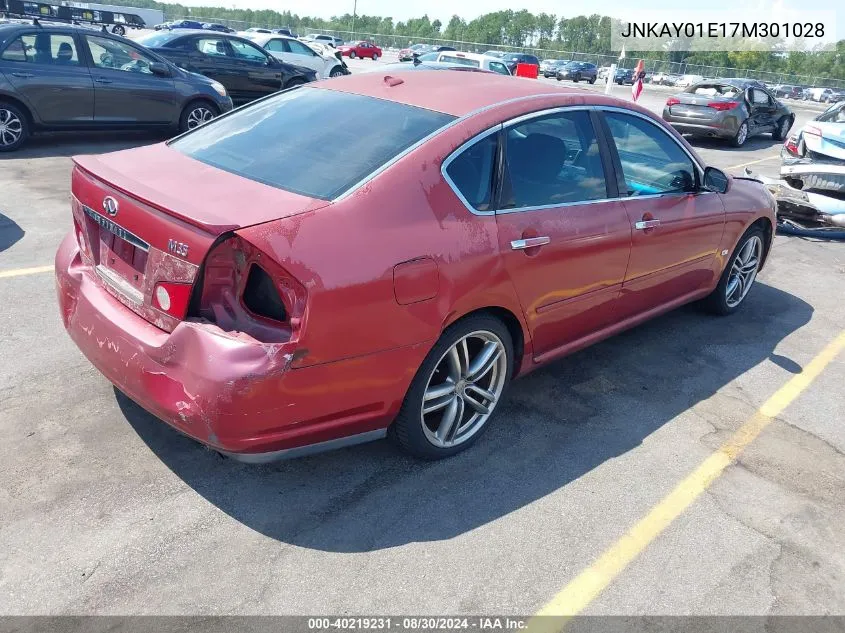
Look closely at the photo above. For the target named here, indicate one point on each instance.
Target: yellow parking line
(754, 162)
(20, 272)
(584, 588)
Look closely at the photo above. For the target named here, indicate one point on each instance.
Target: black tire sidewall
(407, 429)
(24, 119)
(186, 112)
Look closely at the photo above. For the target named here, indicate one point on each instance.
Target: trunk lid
(151, 215)
(696, 105)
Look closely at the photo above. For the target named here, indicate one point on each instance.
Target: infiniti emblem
(110, 206)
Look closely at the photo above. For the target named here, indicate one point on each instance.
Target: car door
(211, 55)
(564, 238)
(260, 73)
(762, 111)
(677, 226)
(301, 55)
(125, 89)
(45, 69)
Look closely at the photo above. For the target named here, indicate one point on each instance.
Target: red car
(268, 298)
(360, 49)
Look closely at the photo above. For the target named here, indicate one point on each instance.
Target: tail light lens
(672, 101)
(791, 145)
(723, 105)
(172, 298)
(243, 290)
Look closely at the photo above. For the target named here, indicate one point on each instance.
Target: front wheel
(118, 30)
(592, 81)
(741, 135)
(337, 71)
(296, 81)
(456, 389)
(195, 114)
(739, 275)
(375, 57)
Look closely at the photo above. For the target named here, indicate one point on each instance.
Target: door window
(652, 161)
(248, 52)
(760, 97)
(471, 172)
(277, 46)
(299, 48)
(215, 47)
(498, 67)
(43, 48)
(553, 160)
(115, 55)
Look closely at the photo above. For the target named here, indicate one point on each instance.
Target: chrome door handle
(642, 225)
(529, 242)
(23, 75)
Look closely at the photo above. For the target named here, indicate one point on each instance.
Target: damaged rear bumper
(228, 390)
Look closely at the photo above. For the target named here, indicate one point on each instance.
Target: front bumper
(227, 390)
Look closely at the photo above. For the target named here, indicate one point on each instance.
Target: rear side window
(652, 161)
(471, 172)
(292, 130)
(43, 48)
(462, 61)
(553, 160)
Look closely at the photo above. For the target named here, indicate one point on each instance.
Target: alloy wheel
(784, 127)
(198, 116)
(463, 389)
(11, 128)
(742, 134)
(743, 271)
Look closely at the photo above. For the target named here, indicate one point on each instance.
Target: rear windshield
(311, 141)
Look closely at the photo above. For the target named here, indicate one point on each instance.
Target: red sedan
(360, 49)
(268, 298)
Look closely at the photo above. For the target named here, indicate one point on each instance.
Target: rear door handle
(23, 75)
(101, 80)
(642, 225)
(529, 242)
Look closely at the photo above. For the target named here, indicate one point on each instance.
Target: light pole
(354, 12)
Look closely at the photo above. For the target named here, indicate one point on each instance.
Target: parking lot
(594, 492)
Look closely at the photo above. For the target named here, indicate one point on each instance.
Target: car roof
(480, 57)
(455, 94)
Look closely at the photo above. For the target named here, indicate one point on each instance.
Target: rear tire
(351, 54)
(118, 30)
(741, 135)
(576, 79)
(457, 383)
(592, 81)
(738, 277)
(14, 127)
(197, 113)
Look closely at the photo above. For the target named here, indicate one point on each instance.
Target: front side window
(248, 52)
(216, 47)
(298, 48)
(553, 160)
(471, 172)
(57, 49)
(293, 129)
(652, 161)
(498, 67)
(760, 97)
(277, 46)
(116, 55)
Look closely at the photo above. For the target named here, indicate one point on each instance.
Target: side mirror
(715, 180)
(159, 69)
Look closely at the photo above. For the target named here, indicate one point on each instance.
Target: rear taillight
(723, 105)
(791, 145)
(172, 298)
(243, 290)
(672, 101)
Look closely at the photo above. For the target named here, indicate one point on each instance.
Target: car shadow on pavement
(71, 143)
(557, 424)
(10, 232)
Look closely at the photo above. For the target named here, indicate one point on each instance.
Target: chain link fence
(396, 42)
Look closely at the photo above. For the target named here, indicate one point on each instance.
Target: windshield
(281, 141)
(157, 39)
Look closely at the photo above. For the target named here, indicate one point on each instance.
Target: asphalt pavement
(583, 496)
